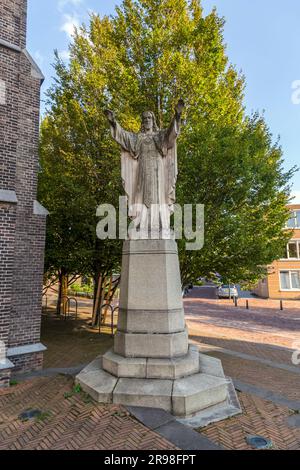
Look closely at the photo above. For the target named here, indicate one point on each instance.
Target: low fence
(70, 310)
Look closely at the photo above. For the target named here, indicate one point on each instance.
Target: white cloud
(63, 3)
(64, 55)
(71, 22)
(296, 195)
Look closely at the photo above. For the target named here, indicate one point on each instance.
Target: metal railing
(112, 311)
(66, 301)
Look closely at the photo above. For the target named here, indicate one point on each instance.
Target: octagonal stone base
(188, 394)
(151, 368)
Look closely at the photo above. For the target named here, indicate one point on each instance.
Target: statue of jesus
(149, 172)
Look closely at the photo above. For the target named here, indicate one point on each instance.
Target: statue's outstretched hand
(110, 116)
(179, 108)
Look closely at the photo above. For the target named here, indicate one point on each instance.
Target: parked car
(226, 292)
(186, 289)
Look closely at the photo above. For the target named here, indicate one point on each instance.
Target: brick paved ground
(72, 343)
(263, 332)
(278, 381)
(260, 417)
(77, 422)
(69, 423)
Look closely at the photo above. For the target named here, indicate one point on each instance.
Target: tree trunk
(97, 295)
(65, 293)
(62, 293)
(58, 305)
(107, 298)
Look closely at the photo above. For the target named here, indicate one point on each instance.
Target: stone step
(182, 397)
(196, 393)
(175, 368)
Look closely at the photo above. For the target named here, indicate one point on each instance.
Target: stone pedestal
(152, 363)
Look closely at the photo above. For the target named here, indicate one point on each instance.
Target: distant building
(22, 218)
(283, 280)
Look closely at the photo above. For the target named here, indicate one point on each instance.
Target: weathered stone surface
(144, 392)
(197, 400)
(120, 366)
(174, 368)
(96, 364)
(226, 409)
(150, 276)
(197, 392)
(151, 321)
(211, 365)
(151, 185)
(98, 384)
(151, 345)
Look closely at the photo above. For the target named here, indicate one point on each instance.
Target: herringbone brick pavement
(260, 417)
(278, 381)
(71, 343)
(69, 422)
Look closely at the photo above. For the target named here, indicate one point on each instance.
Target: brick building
(22, 218)
(283, 281)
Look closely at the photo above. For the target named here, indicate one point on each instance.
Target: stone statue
(149, 172)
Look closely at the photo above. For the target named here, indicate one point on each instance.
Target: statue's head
(148, 122)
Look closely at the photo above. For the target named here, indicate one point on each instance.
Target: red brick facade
(22, 219)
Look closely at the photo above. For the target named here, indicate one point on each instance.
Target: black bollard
(247, 304)
(281, 305)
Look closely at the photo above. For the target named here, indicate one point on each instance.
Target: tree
(147, 56)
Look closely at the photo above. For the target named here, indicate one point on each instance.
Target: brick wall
(22, 232)
(274, 281)
(4, 378)
(13, 21)
(27, 362)
(7, 237)
(275, 291)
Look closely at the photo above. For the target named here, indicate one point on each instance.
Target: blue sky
(262, 36)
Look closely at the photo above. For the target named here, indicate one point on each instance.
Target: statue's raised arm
(110, 117)
(174, 128)
(126, 139)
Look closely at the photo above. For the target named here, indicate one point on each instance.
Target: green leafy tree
(147, 56)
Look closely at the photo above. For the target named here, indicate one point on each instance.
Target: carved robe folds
(149, 173)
